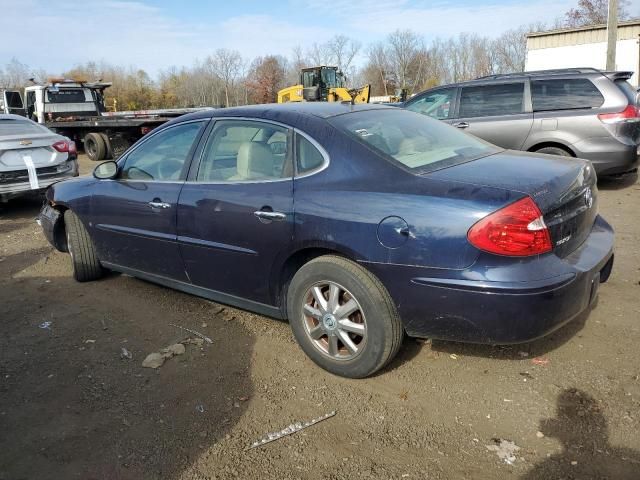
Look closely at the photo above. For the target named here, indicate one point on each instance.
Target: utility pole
(612, 34)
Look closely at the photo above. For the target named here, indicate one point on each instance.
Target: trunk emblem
(588, 198)
(25, 142)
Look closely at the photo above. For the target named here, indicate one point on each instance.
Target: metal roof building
(584, 47)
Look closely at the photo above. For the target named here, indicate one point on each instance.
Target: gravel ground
(73, 405)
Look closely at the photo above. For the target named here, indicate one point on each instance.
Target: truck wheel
(343, 317)
(84, 259)
(94, 146)
(107, 144)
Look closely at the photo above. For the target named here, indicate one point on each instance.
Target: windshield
(329, 77)
(415, 141)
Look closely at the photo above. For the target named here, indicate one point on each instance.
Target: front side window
(415, 141)
(163, 156)
(242, 150)
(492, 100)
(564, 94)
(435, 104)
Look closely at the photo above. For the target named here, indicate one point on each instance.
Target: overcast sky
(155, 34)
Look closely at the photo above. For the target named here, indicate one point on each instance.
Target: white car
(32, 157)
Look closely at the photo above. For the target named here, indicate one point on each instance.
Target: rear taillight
(62, 146)
(629, 114)
(515, 230)
(66, 146)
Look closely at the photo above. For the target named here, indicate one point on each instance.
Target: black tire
(107, 145)
(84, 259)
(383, 329)
(554, 151)
(94, 146)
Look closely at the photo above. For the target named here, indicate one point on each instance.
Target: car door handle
(461, 125)
(265, 215)
(158, 204)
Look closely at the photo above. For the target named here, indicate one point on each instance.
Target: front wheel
(84, 260)
(343, 317)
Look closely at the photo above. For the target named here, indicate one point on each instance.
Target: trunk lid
(563, 188)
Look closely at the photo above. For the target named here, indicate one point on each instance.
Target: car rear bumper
(463, 306)
(14, 189)
(608, 155)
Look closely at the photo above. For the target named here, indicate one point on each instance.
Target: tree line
(401, 60)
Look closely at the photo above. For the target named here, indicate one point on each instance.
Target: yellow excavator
(323, 84)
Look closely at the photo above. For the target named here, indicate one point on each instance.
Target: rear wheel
(343, 317)
(84, 259)
(94, 146)
(107, 146)
(554, 151)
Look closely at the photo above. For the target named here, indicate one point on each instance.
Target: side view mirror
(106, 170)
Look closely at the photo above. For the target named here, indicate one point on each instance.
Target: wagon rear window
(415, 141)
(564, 94)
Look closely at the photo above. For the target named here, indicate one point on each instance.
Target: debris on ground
(523, 354)
(291, 429)
(200, 408)
(124, 353)
(198, 342)
(542, 361)
(505, 449)
(157, 359)
(193, 332)
(526, 376)
(46, 325)
(539, 434)
(90, 341)
(404, 395)
(453, 356)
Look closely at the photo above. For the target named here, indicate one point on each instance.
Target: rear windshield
(628, 90)
(416, 141)
(565, 94)
(66, 96)
(10, 126)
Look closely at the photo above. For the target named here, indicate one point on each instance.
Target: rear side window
(308, 157)
(492, 100)
(564, 94)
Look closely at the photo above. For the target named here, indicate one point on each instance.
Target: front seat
(254, 161)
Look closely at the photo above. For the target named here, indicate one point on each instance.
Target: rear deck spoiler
(618, 75)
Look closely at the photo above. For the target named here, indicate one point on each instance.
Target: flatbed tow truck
(76, 109)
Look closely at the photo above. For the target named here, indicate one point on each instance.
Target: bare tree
(227, 65)
(590, 12)
(319, 54)
(379, 66)
(342, 51)
(404, 46)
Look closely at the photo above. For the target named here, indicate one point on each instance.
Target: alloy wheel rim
(334, 321)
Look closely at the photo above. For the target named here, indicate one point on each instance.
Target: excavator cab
(317, 82)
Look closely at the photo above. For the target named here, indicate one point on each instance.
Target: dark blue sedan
(358, 224)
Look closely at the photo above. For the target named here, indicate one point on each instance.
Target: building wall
(584, 47)
(585, 55)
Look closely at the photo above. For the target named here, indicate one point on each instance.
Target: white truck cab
(58, 98)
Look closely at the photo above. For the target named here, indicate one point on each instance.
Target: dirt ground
(72, 405)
